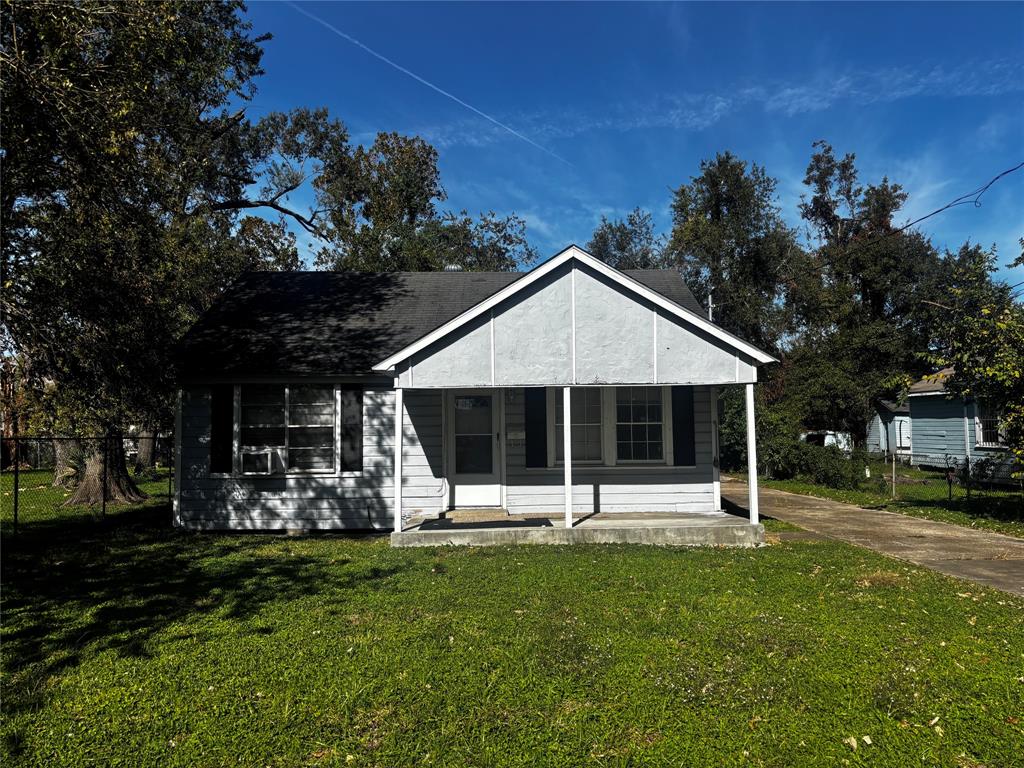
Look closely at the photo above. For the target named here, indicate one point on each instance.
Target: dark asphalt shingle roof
(331, 323)
(935, 384)
(894, 407)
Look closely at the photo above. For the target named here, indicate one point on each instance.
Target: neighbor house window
(585, 404)
(287, 428)
(639, 425)
(988, 426)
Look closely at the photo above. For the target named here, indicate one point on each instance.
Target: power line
(974, 196)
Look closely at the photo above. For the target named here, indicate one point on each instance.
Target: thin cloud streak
(427, 83)
(700, 111)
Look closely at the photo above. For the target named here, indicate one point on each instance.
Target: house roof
(343, 323)
(932, 385)
(623, 279)
(893, 407)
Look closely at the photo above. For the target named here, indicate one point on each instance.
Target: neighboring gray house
(291, 383)
(948, 429)
(889, 430)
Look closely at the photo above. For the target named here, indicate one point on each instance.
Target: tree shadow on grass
(113, 586)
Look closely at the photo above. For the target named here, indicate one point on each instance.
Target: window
(639, 432)
(988, 432)
(287, 428)
(586, 425)
(222, 428)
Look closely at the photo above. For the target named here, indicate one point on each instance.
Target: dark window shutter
(536, 426)
(351, 449)
(684, 452)
(222, 427)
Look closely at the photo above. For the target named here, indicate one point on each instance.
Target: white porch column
(567, 452)
(751, 456)
(399, 419)
(716, 450)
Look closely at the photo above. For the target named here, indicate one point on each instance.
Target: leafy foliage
(983, 341)
(729, 239)
(629, 243)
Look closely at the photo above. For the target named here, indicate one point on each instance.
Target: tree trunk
(119, 486)
(147, 450)
(66, 452)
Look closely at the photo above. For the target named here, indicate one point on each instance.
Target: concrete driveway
(985, 558)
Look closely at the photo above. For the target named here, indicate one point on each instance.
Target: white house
(565, 392)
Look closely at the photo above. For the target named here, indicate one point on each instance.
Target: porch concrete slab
(983, 557)
(680, 531)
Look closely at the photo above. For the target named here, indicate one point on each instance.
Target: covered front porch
(576, 405)
(515, 470)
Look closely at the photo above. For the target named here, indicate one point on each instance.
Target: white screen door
(473, 434)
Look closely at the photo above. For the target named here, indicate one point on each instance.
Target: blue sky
(624, 100)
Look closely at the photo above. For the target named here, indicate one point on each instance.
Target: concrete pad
(979, 556)
(714, 532)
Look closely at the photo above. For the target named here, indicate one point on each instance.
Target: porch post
(751, 456)
(567, 452)
(399, 418)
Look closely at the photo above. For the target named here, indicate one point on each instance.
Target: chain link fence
(56, 484)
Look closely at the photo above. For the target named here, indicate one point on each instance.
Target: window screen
(287, 429)
(639, 424)
(586, 424)
(988, 425)
(310, 428)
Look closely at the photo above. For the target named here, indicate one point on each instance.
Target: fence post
(106, 458)
(170, 475)
(967, 478)
(17, 461)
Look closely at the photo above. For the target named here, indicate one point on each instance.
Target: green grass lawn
(41, 505)
(128, 644)
(923, 493)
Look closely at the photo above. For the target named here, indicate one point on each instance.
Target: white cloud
(700, 111)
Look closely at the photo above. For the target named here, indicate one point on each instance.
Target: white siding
(577, 326)
(354, 500)
(611, 489)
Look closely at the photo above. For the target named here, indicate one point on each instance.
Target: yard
(126, 643)
(923, 493)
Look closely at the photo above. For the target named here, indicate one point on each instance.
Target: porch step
(481, 515)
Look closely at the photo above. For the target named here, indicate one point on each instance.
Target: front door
(473, 436)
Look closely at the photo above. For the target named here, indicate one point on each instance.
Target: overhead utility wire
(971, 197)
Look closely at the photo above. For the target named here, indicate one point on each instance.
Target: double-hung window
(585, 405)
(639, 424)
(287, 428)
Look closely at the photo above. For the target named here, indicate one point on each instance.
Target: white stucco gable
(575, 320)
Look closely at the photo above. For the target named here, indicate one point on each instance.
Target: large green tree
(379, 212)
(729, 239)
(870, 319)
(125, 161)
(629, 243)
(982, 338)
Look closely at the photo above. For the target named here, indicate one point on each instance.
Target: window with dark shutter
(222, 421)
(351, 448)
(536, 422)
(684, 452)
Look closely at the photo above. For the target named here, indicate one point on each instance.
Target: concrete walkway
(985, 558)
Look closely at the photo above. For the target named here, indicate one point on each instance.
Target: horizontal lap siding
(938, 430)
(876, 436)
(615, 489)
(349, 500)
